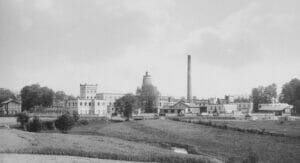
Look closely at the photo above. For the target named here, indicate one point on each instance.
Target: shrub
(48, 125)
(75, 116)
(35, 125)
(251, 158)
(64, 123)
(84, 122)
(22, 118)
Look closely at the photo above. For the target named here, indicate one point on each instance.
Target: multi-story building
(91, 103)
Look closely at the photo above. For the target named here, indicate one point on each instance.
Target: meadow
(153, 140)
(199, 139)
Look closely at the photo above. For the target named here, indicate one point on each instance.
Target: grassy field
(17, 141)
(12, 158)
(289, 128)
(198, 139)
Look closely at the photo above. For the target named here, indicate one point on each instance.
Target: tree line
(35, 96)
(290, 94)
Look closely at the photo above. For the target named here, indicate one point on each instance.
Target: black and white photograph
(154, 81)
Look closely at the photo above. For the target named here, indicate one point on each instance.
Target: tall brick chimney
(189, 85)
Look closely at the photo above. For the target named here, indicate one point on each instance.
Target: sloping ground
(16, 141)
(199, 139)
(289, 128)
(13, 158)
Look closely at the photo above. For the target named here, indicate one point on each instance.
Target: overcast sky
(235, 44)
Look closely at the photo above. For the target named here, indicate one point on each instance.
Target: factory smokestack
(189, 92)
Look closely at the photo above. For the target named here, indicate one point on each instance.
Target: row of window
(85, 103)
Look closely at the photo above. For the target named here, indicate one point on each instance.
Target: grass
(16, 141)
(276, 128)
(199, 139)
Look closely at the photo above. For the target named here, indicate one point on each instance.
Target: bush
(251, 158)
(84, 122)
(22, 118)
(75, 116)
(35, 125)
(64, 123)
(48, 125)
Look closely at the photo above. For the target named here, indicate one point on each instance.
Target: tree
(34, 95)
(126, 105)
(35, 125)
(147, 98)
(64, 123)
(290, 94)
(23, 119)
(262, 95)
(6, 94)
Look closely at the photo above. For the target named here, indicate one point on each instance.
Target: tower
(189, 85)
(147, 80)
(88, 91)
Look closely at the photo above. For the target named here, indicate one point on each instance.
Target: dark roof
(10, 100)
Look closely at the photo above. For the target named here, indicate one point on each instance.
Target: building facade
(10, 107)
(92, 103)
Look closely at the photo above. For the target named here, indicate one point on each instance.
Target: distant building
(10, 107)
(181, 107)
(277, 108)
(222, 108)
(92, 103)
(245, 107)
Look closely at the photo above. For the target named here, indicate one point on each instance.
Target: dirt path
(29, 158)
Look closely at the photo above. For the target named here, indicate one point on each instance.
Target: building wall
(110, 98)
(88, 91)
(89, 106)
(221, 108)
(245, 107)
(12, 107)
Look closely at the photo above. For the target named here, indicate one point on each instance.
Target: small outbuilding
(10, 107)
(277, 108)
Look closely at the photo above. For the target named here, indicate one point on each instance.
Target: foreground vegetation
(268, 127)
(199, 139)
(17, 141)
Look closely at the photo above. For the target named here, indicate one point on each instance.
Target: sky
(235, 45)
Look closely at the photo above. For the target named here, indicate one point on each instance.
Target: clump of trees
(263, 95)
(6, 94)
(35, 95)
(126, 105)
(291, 94)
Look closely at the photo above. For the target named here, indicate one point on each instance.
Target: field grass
(36, 158)
(199, 139)
(17, 141)
(289, 128)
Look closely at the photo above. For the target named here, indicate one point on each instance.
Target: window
(89, 104)
(85, 104)
(87, 97)
(98, 103)
(80, 103)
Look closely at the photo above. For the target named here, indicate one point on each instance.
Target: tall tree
(262, 95)
(6, 94)
(148, 98)
(34, 95)
(290, 94)
(126, 105)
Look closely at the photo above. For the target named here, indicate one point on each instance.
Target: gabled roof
(189, 105)
(10, 100)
